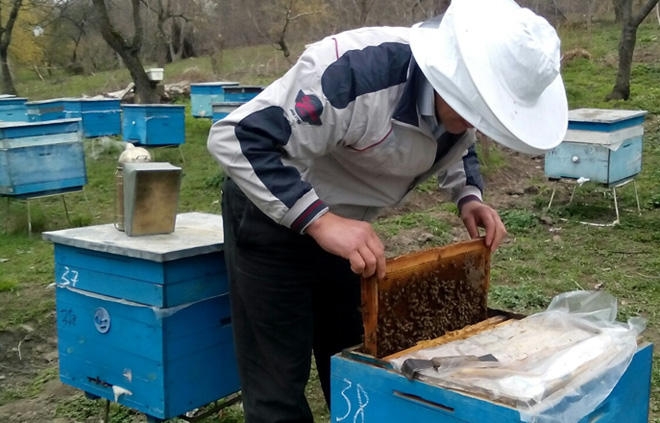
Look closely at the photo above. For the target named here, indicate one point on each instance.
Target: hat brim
(458, 68)
(541, 125)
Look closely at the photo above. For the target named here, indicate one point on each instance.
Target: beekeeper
(360, 120)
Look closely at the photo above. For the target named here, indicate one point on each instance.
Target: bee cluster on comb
(425, 295)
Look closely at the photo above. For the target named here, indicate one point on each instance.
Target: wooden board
(424, 295)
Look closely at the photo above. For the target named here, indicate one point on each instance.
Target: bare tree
(288, 18)
(294, 10)
(128, 48)
(73, 22)
(172, 28)
(618, 10)
(629, 24)
(6, 29)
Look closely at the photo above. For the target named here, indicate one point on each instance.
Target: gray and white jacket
(341, 131)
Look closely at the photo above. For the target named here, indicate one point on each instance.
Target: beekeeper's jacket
(341, 131)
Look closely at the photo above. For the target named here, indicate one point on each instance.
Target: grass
(548, 252)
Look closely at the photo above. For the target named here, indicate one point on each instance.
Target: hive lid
(424, 295)
(605, 116)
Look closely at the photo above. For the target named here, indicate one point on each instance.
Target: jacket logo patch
(309, 108)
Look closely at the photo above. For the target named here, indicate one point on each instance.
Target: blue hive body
(603, 146)
(153, 124)
(41, 157)
(146, 320)
(204, 94)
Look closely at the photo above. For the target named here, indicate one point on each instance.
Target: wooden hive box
(145, 317)
(204, 94)
(41, 158)
(370, 390)
(424, 295)
(223, 109)
(153, 124)
(242, 93)
(13, 109)
(99, 116)
(602, 145)
(43, 110)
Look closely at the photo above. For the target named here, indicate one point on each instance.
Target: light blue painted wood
(165, 284)
(100, 117)
(43, 110)
(605, 120)
(158, 270)
(242, 93)
(170, 360)
(39, 158)
(222, 109)
(13, 109)
(204, 94)
(371, 394)
(172, 357)
(596, 162)
(153, 124)
(26, 130)
(601, 145)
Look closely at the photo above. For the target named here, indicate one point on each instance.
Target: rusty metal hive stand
(424, 295)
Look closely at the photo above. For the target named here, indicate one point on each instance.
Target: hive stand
(41, 159)
(37, 196)
(602, 146)
(612, 187)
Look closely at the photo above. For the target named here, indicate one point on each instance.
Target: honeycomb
(424, 296)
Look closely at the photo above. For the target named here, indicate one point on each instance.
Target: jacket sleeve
(463, 180)
(289, 122)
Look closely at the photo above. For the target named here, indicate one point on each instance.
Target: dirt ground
(28, 354)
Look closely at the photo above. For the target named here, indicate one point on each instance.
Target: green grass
(548, 251)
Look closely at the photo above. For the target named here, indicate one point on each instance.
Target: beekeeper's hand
(476, 214)
(351, 239)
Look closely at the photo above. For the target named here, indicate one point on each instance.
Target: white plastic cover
(553, 366)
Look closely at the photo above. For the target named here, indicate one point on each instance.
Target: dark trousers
(289, 298)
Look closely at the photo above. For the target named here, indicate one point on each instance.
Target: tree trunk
(621, 90)
(618, 10)
(5, 39)
(146, 91)
(7, 80)
(630, 23)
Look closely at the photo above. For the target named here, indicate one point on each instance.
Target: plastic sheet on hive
(543, 359)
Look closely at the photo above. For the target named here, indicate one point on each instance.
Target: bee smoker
(131, 154)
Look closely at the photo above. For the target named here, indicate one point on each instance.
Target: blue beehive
(242, 93)
(144, 321)
(41, 157)
(43, 110)
(204, 94)
(222, 109)
(100, 116)
(13, 109)
(537, 361)
(604, 146)
(365, 389)
(153, 124)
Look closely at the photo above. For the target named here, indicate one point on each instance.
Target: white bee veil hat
(498, 66)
